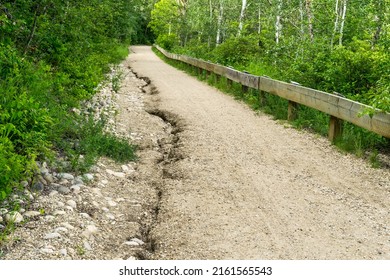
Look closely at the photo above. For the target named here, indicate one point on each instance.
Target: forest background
(54, 54)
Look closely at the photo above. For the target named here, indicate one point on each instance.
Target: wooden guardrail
(339, 108)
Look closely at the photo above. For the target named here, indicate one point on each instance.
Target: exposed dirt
(215, 180)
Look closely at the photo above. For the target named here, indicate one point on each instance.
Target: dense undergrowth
(54, 54)
(354, 139)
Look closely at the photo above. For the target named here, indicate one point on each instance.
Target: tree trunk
(379, 19)
(278, 24)
(242, 15)
(343, 16)
(336, 23)
(220, 18)
(302, 18)
(259, 21)
(310, 19)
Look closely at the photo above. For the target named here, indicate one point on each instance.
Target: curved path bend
(248, 187)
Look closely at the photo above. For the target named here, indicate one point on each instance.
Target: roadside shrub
(167, 41)
(236, 51)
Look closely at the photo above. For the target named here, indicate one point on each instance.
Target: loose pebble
(31, 214)
(14, 217)
(52, 235)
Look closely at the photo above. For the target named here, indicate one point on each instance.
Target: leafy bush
(236, 51)
(167, 41)
(53, 54)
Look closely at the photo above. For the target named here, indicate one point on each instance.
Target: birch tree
(242, 15)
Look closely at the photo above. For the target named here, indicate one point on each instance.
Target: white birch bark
(343, 16)
(301, 15)
(336, 22)
(242, 15)
(259, 20)
(310, 19)
(219, 25)
(278, 24)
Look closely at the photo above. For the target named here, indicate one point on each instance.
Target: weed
(116, 80)
(375, 163)
(80, 250)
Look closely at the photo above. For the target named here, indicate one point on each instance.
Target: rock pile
(104, 214)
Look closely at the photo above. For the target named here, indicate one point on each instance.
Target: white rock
(3, 211)
(67, 225)
(105, 209)
(89, 231)
(59, 212)
(63, 252)
(131, 243)
(60, 204)
(30, 214)
(78, 181)
(49, 218)
(110, 216)
(125, 168)
(104, 182)
(46, 251)
(131, 258)
(116, 174)
(87, 246)
(14, 217)
(1, 219)
(53, 193)
(139, 241)
(52, 235)
(88, 177)
(112, 203)
(63, 190)
(66, 176)
(67, 207)
(94, 203)
(72, 203)
(85, 215)
(61, 229)
(75, 188)
(96, 191)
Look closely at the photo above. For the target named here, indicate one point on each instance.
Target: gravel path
(213, 180)
(242, 186)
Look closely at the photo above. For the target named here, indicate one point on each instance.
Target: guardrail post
(292, 110)
(261, 97)
(200, 71)
(335, 128)
(229, 83)
(217, 78)
(244, 89)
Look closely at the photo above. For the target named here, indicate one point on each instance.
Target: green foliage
(90, 140)
(54, 54)
(167, 41)
(236, 51)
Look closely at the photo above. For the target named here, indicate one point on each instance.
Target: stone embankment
(106, 213)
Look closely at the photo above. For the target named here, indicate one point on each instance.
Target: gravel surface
(213, 180)
(243, 186)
